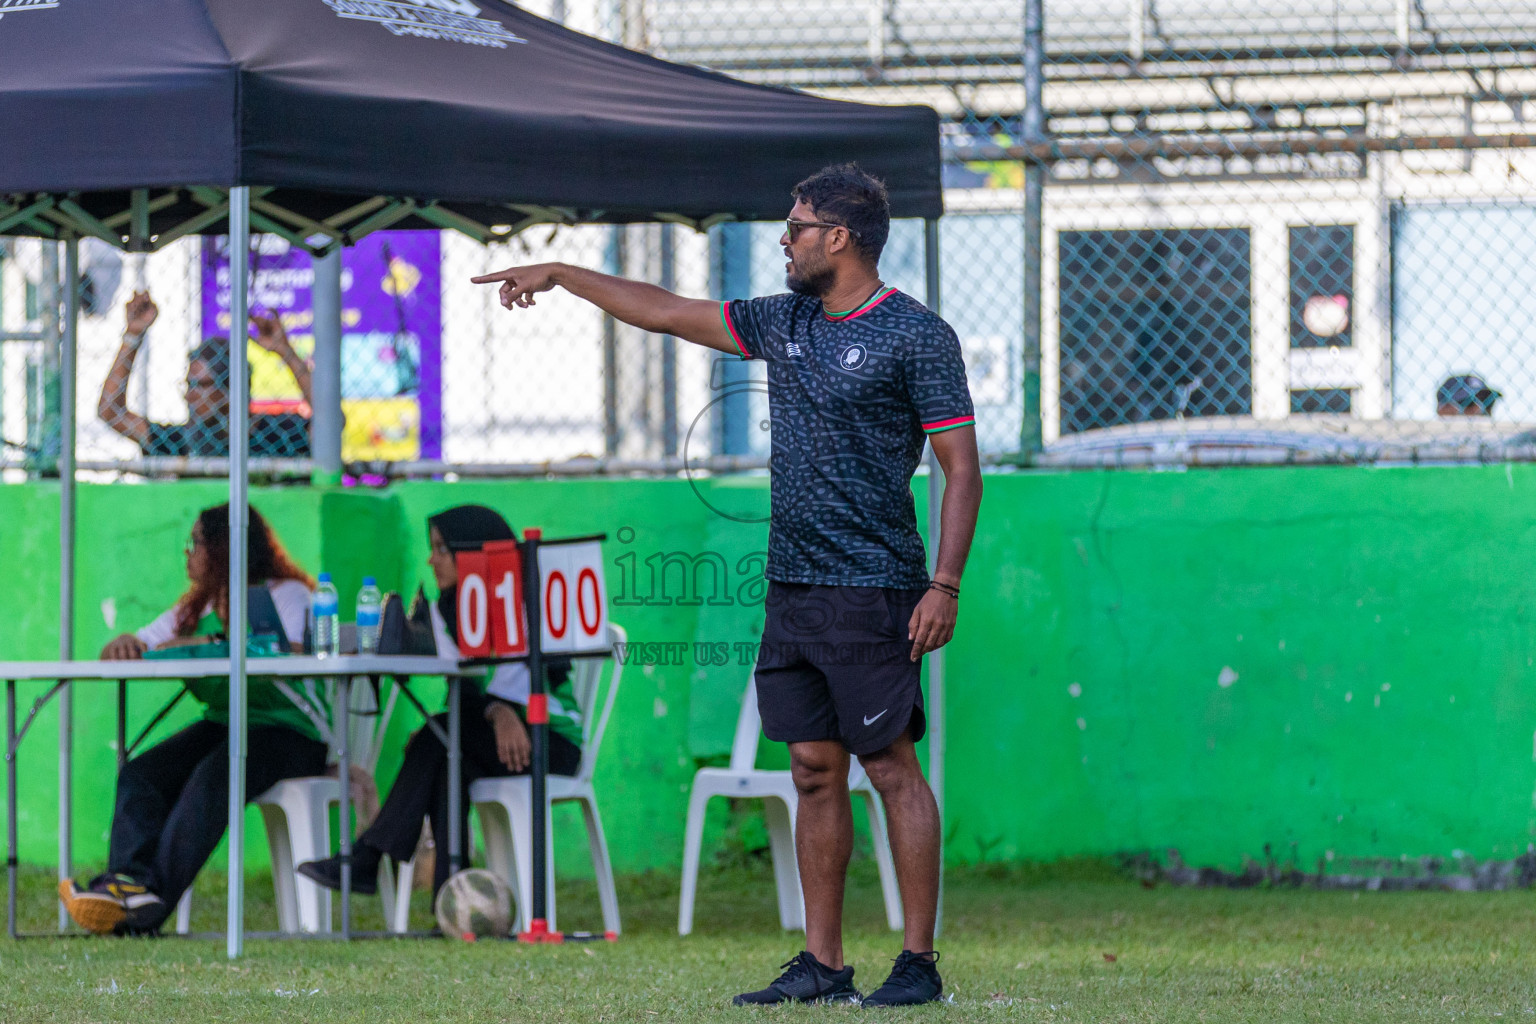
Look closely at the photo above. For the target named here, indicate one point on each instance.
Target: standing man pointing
(860, 375)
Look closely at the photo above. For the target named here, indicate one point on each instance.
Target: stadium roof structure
(1179, 77)
(130, 122)
(940, 41)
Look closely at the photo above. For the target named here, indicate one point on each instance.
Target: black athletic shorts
(835, 664)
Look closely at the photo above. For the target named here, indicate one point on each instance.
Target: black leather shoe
(365, 881)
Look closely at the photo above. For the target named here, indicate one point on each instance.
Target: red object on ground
(538, 932)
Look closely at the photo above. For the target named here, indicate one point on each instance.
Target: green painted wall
(1326, 660)
(1336, 658)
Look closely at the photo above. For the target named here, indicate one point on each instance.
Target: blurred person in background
(206, 430)
(1465, 394)
(173, 800)
(493, 737)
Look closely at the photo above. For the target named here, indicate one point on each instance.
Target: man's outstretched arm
(640, 305)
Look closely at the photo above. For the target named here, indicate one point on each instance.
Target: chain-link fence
(1176, 230)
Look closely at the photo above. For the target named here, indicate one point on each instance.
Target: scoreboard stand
(557, 584)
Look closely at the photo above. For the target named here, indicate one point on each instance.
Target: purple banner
(391, 346)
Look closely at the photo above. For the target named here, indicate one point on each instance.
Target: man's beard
(814, 283)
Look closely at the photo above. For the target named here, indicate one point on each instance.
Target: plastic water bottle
(326, 611)
(369, 610)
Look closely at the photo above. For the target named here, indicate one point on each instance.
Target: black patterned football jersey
(851, 399)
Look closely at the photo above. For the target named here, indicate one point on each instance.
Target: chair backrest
(587, 687)
(748, 725)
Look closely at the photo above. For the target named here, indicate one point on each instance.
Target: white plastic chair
(780, 801)
(505, 804)
(297, 814)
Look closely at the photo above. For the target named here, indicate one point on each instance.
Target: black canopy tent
(325, 120)
(351, 115)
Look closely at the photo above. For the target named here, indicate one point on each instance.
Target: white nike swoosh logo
(872, 721)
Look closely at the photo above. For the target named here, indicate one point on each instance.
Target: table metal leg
(344, 818)
(66, 792)
(10, 807)
(122, 723)
(455, 773)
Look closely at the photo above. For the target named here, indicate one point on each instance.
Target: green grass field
(1075, 942)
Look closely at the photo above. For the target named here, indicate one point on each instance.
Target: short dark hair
(847, 194)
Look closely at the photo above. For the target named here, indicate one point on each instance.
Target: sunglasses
(792, 228)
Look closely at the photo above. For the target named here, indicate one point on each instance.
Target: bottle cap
(325, 577)
(369, 581)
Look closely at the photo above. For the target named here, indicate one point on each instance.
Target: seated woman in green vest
(173, 799)
(493, 731)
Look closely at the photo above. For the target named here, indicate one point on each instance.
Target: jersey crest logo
(853, 357)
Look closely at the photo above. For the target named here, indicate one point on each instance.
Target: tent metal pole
(11, 814)
(326, 421)
(935, 523)
(730, 247)
(614, 258)
(668, 346)
(67, 359)
(239, 528)
(1030, 436)
(41, 425)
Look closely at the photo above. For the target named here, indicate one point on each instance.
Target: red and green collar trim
(870, 303)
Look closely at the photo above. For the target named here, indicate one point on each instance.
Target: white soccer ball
(474, 904)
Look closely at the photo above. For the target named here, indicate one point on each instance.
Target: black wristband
(944, 588)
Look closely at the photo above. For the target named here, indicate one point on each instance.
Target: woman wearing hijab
(493, 730)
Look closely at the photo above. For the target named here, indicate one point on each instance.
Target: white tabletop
(202, 668)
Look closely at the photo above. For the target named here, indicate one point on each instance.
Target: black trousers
(173, 800)
(421, 788)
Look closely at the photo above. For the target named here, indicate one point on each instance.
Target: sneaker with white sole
(111, 903)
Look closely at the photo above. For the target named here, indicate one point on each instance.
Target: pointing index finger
(500, 275)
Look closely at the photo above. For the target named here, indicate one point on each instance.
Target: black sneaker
(110, 904)
(915, 979)
(144, 914)
(805, 980)
(328, 873)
